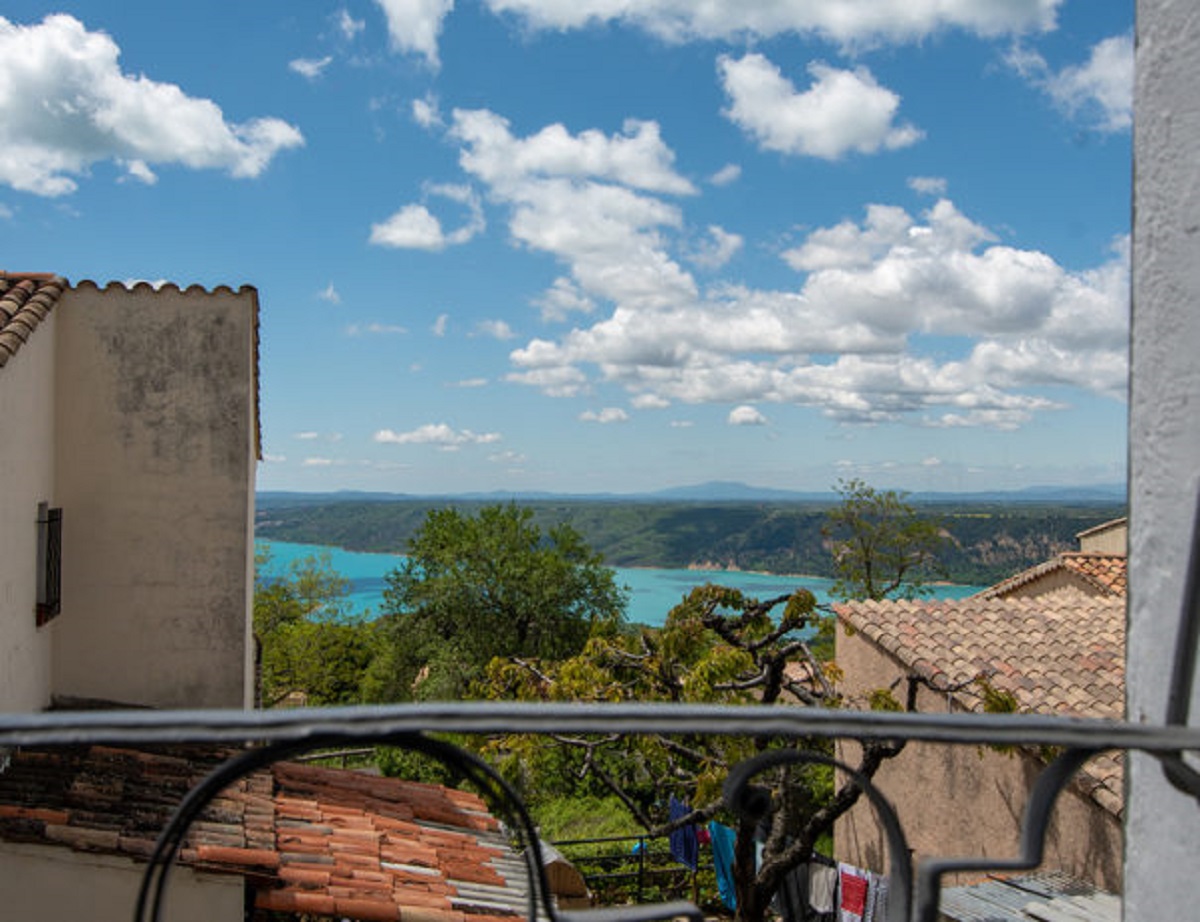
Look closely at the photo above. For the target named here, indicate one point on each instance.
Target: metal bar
(351, 724)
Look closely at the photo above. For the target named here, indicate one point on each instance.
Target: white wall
(1163, 826)
(26, 477)
(53, 884)
(155, 475)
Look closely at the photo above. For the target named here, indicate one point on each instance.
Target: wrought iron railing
(914, 891)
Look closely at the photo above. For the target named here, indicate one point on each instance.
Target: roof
(25, 301)
(1063, 656)
(1101, 574)
(1122, 522)
(306, 839)
(1046, 895)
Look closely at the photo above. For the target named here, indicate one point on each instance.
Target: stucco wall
(1163, 826)
(26, 478)
(155, 474)
(964, 800)
(1058, 584)
(58, 885)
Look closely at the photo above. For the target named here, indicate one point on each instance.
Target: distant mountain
(713, 491)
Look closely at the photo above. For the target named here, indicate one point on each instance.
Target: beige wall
(58, 885)
(1113, 540)
(1060, 584)
(155, 474)
(956, 801)
(26, 478)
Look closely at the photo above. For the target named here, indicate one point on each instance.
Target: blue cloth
(722, 847)
(684, 846)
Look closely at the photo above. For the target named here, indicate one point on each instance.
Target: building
(1057, 654)
(128, 461)
(1097, 570)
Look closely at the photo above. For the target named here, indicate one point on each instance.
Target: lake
(652, 592)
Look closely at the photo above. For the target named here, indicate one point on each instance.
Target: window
(49, 563)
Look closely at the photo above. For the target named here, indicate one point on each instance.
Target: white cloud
(137, 169)
(843, 110)
(425, 112)
(414, 25)
(437, 434)
(746, 416)
(928, 185)
(604, 416)
(717, 249)
(317, 462)
(845, 21)
(269, 458)
(682, 424)
(562, 299)
(496, 329)
(729, 173)
(330, 294)
(414, 227)
(307, 436)
(848, 340)
(66, 105)
(375, 329)
(650, 402)
(439, 326)
(348, 25)
(507, 457)
(310, 68)
(1099, 92)
(470, 383)
(931, 461)
(6, 213)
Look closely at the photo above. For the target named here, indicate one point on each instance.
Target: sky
(611, 245)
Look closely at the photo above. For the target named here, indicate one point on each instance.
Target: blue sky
(590, 245)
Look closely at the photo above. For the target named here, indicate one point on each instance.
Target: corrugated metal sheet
(1047, 896)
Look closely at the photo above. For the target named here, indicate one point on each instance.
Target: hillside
(988, 541)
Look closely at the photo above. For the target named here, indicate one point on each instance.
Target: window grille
(49, 563)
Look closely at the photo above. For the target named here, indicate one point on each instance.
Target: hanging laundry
(822, 887)
(854, 886)
(879, 898)
(722, 845)
(683, 844)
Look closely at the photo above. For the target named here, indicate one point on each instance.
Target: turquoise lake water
(652, 593)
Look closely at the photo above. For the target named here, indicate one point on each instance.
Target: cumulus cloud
(1098, 92)
(847, 340)
(716, 249)
(746, 415)
(438, 434)
(415, 227)
(604, 416)
(414, 25)
(729, 173)
(844, 21)
(310, 68)
(348, 25)
(425, 112)
(66, 105)
(842, 111)
(330, 294)
(439, 326)
(495, 329)
(928, 185)
(563, 298)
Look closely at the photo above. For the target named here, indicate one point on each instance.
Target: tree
(307, 642)
(476, 586)
(881, 547)
(718, 646)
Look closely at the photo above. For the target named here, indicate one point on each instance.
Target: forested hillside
(987, 542)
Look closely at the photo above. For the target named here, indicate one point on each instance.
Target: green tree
(476, 586)
(307, 642)
(881, 547)
(718, 646)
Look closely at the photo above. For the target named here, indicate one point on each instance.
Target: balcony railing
(914, 891)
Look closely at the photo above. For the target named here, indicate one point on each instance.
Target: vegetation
(477, 586)
(881, 548)
(985, 542)
(307, 646)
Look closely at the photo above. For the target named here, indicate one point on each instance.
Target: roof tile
(25, 301)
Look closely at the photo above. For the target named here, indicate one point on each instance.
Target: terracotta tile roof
(25, 300)
(1096, 574)
(1055, 655)
(306, 839)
